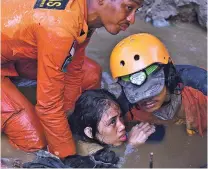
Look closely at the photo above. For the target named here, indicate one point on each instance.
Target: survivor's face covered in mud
(117, 15)
(111, 129)
(154, 103)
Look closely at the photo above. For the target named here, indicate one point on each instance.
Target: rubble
(161, 12)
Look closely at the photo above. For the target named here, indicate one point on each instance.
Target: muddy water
(187, 45)
(177, 150)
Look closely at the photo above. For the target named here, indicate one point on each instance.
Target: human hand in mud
(140, 133)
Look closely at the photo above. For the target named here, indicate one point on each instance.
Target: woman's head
(97, 118)
(145, 71)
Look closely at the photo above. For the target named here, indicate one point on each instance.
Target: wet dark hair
(88, 112)
(173, 80)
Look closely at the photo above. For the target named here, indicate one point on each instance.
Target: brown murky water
(187, 44)
(177, 150)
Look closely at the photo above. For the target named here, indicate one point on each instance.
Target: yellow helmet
(135, 53)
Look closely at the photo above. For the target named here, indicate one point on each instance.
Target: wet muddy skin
(187, 45)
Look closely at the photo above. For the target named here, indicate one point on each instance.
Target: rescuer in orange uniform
(49, 37)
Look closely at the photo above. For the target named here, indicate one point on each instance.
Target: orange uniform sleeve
(52, 52)
(74, 77)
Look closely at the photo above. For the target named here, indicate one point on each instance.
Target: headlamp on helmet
(140, 77)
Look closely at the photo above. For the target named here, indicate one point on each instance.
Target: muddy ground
(187, 44)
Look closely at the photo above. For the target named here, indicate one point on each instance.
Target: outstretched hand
(140, 133)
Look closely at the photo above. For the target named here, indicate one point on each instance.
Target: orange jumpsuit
(42, 36)
(194, 107)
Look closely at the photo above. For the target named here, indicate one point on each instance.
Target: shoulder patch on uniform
(51, 4)
(68, 59)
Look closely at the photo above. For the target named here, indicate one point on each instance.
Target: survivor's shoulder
(86, 148)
